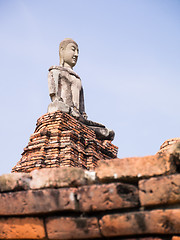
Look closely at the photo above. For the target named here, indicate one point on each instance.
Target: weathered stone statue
(66, 92)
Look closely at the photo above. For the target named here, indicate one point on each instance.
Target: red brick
(13, 181)
(176, 238)
(144, 238)
(107, 196)
(72, 228)
(21, 228)
(133, 168)
(37, 201)
(160, 190)
(137, 223)
(60, 177)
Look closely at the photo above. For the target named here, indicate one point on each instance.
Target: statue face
(70, 55)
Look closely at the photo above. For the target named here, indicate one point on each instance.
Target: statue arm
(81, 104)
(53, 77)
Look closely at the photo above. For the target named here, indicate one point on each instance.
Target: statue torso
(67, 85)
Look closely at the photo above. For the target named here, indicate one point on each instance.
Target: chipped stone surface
(147, 222)
(22, 228)
(72, 228)
(46, 178)
(14, 181)
(60, 177)
(90, 176)
(160, 190)
(169, 145)
(107, 197)
(37, 201)
(131, 169)
(176, 154)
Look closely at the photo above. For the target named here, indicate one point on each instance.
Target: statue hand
(53, 97)
(84, 115)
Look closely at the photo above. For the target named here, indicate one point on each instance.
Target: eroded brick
(144, 238)
(37, 201)
(176, 238)
(160, 190)
(60, 177)
(14, 181)
(22, 228)
(107, 196)
(131, 169)
(152, 222)
(72, 228)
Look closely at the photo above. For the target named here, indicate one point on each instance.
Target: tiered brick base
(132, 198)
(61, 140)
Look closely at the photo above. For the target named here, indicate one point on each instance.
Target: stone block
(14, 181)
(22, 228)
(139, 223)
(37, 201)
(107, 197)
(132, 169)
(160, 190)
(61, 177)
(72, 228)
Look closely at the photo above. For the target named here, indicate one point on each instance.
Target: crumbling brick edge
(130, 198)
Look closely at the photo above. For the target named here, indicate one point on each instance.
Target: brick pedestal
(61, 140)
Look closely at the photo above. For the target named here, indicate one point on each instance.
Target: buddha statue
(66, 91)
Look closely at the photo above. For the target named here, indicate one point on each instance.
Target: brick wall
(131, 198)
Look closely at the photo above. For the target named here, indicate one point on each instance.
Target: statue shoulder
(63, 70)
(55, 67)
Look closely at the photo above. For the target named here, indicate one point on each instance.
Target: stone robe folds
(66, 89)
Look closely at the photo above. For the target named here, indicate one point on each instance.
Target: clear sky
(129, 64)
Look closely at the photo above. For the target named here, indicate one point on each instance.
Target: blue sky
(129, 64)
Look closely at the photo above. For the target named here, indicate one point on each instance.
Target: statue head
(68, 53)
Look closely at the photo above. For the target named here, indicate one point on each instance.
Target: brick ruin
(130, 198)
(61, 140)
(71, 185)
